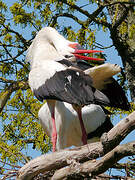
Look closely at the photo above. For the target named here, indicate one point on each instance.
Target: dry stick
(63, 158)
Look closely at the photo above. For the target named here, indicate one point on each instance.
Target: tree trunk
(123, 35)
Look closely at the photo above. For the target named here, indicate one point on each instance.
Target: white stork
(95, 120)
(51, 79)
(69, 132)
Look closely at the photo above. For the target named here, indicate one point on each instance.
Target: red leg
(84, 134)
(54, 132)
(51, 105)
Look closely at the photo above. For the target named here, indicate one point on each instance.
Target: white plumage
(48, 45)
(52, 80)
(38, 77)
(67, 124)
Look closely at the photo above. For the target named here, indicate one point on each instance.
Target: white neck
(47, 45)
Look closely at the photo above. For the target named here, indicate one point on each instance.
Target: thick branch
(62, 158)
(123, 41)
(94, 167)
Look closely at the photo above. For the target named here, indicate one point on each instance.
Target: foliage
(19, 22)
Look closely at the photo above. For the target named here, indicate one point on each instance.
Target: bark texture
(72, 159)
(122, 32)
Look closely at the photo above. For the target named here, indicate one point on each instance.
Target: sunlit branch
(82, 154)
(99, 166)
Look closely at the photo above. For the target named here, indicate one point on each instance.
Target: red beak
(79, 50)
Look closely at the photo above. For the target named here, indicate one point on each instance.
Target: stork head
(50, 45)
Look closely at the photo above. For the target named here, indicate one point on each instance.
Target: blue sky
(102, 38)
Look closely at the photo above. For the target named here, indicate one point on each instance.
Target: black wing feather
(116, 95)
(112, 90)
(77, 64)
(72, 86)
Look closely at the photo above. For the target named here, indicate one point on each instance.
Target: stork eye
(68, 56)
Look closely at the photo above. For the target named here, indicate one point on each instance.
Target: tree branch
(91, 17)
(25, 43)
(66, 15)
(14, 86)
(75, 7)
(92, 168)
(14, 58)
(63, 158)
(122, 17)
